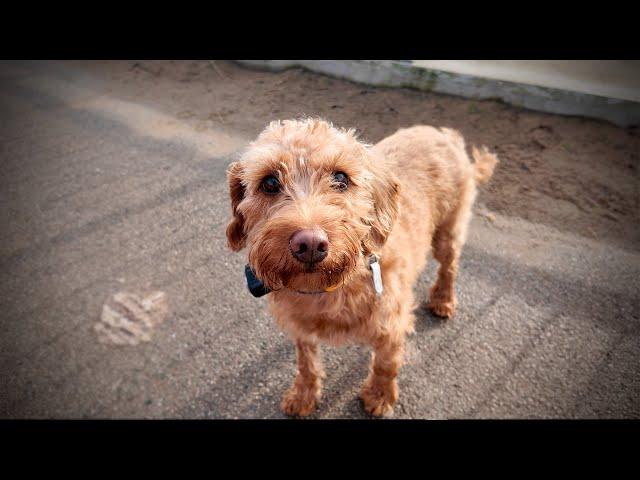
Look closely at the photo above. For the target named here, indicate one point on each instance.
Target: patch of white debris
(128, 319)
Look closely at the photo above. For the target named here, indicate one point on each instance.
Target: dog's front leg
(380, 391)
(302, 397)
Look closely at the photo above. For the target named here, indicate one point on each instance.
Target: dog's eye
(270, 185)
(341, 180)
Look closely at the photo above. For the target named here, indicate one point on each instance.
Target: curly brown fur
(409, 194)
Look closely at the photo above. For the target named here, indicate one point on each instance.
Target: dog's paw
(441, 308)
(379, 401)
(441, 303)
(298, 403)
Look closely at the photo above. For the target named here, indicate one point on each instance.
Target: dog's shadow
(426, 321)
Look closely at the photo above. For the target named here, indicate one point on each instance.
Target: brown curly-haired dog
(312, 204)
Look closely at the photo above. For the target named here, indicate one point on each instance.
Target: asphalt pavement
(99, 194)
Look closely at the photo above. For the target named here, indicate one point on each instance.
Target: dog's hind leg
(301, 398)
(451, 234)
(446, 245)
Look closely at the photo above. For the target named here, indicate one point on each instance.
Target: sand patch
(128, 319)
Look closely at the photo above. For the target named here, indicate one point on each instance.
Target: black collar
(258, 289)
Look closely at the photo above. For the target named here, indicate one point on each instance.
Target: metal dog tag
(377, 274)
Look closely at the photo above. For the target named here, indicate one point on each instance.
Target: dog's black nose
(309, 246)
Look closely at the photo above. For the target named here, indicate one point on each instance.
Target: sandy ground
(553, 167)
(112, 178)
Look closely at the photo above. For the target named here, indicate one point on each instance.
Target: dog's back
(433, 164)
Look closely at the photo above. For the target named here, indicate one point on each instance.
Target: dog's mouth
(301, 286)
(310, 268)
(304, 277)
(313, 278)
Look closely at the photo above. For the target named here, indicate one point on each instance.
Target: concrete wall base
(395, 73)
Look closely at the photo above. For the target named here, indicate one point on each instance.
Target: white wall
(607, 78)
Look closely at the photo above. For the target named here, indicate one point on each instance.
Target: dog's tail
(484, 163)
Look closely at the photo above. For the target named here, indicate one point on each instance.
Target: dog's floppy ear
(384, 190)
(236, 237)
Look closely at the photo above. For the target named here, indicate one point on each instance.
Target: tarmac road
(100, 194)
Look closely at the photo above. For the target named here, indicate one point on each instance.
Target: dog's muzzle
(258, 289)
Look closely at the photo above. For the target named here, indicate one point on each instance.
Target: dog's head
(308, 200)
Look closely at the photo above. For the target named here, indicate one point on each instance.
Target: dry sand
(571, 173)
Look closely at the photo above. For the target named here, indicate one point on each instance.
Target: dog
(337, 231)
